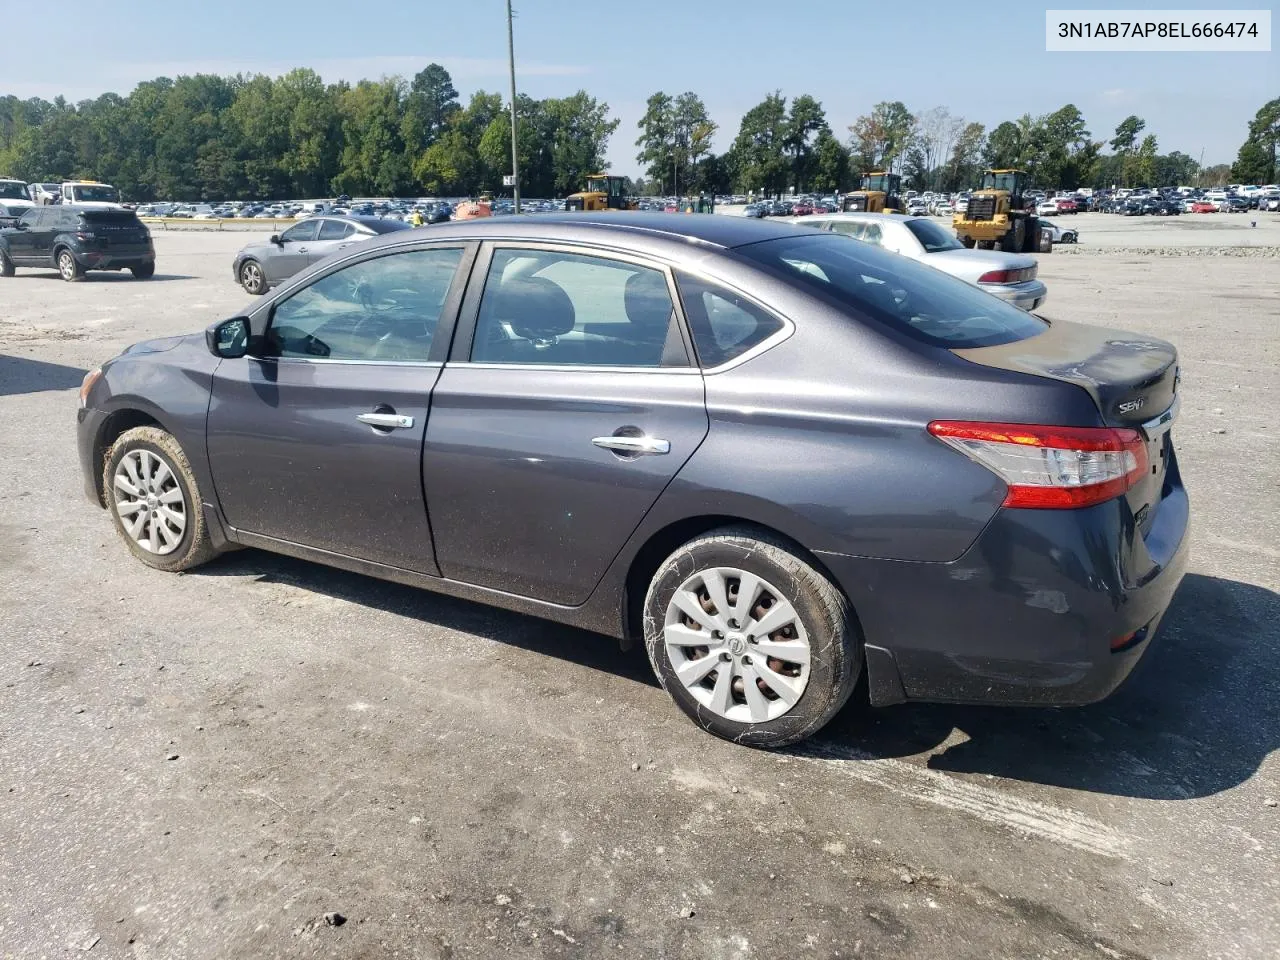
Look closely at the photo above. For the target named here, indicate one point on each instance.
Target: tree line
(207, 137)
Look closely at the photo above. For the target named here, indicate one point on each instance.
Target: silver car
(1009, 276)
(260, 266)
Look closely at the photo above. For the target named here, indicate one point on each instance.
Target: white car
(1009, 276)
(1059, 234)
(14, 197)
(943, 208)
(917, 207)
(1047, 207)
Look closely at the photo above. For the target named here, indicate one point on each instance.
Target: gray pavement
(205, 765)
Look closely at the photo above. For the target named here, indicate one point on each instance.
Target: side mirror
(275, 238)
(228, 339)
(20, 225)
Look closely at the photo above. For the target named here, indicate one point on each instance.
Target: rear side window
(909, 297)
(335, 230)
(724, 325)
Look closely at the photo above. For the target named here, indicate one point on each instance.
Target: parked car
(943, 208)
(755, 210)
(1009, 276)
(1058, 234)
(261, 266)
(917, 207)
(1047, 208)
(1204, 206)
(516, 419)
(73, 239)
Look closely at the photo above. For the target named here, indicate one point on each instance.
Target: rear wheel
(252, 278)
(69, 267)
(143, 271)
(1031, 242)
(154, 501)
(752, 642)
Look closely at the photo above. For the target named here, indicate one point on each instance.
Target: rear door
(317, 438)
(569, 403)
(55, 221)
(334, 235)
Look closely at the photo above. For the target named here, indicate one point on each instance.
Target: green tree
(1256, 161)
(372, 160)
(657, 137)
(831, 163)
(428, 106)
(964, 166)
(1140, 165)
(880, 137)
(1127, 134)
(805, 123)
(759, 150)
(1004, 147)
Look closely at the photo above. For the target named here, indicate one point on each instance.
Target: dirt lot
(204, 765)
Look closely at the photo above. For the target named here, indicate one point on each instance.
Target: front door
(317, 439)
(291, 255)
(22, 242)
(574, 407)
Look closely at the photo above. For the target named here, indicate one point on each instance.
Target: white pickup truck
(13, 197)
(90, 193)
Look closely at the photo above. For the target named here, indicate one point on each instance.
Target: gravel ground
(206, 765)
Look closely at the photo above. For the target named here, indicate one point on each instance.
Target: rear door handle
(636, 446)
(386, 421)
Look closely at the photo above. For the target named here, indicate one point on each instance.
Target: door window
(335, 230)
(724, 325)
(33, 218)
(564, 308)
(375, 310)
(301, 232)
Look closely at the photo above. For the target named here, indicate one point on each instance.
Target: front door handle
(635, 446)
(302, 249)
(386, 421)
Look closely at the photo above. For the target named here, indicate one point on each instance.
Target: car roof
(856, 215)
(625, 227)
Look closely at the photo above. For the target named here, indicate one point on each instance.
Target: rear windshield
(384, 226)
(933, 237)
(909, 297)
(113, 217)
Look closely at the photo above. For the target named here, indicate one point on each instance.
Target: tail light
(85, 235)
(1009, 276)
(1051, 467)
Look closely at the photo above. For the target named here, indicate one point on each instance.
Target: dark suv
(75, 239)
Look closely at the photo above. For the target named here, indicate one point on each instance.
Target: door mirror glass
(228, 339)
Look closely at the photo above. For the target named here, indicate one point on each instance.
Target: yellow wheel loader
(879, 192)
(603, 193)
(1000, 214)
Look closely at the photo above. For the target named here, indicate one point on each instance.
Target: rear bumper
(1028, 295)
(116, 259)
(1029, 614)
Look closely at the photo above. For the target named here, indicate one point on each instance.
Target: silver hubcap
(252, 275)
(737, 645)
(149, 502)
(67, 266)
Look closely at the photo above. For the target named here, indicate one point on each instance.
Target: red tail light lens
(1053, 468)
(1009, 276)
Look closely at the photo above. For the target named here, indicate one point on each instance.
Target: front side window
(724, 325)
(301, 232)
(542, 306)
(335, 230)
(907, 296)
(31, 219)
(385, 309)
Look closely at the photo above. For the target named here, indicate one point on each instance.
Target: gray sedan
(779, 459)
(1009, 276)
(260, 266)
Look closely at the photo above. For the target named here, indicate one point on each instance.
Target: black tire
(253, 278)
(835, 645)
(6, 265)
(1031, 241)
(68, 266)
(968, 242)
(143, 271)
(193, 547)
(1015, 236)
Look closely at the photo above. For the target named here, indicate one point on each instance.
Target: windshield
(909, 297)
(1000, 181)
(100, 193)
(597, 185)
(933, 237)
(12, 190)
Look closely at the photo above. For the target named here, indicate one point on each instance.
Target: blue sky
(984, 62)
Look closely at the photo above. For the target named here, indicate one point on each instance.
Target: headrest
(648, 302)
(536, 308)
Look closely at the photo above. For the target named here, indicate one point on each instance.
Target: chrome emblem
(1132, 406)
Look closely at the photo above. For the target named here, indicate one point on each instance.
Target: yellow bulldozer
(604, 192)
(879, 192)
(1000, 214)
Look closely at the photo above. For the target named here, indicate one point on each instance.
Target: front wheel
(752, 642)
(252, 278)
(6, 265)
(144, 271)
(152, 494)
(69, 267)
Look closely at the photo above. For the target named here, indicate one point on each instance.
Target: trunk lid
(1132, 378)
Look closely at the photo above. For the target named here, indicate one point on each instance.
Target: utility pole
(515, 149)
